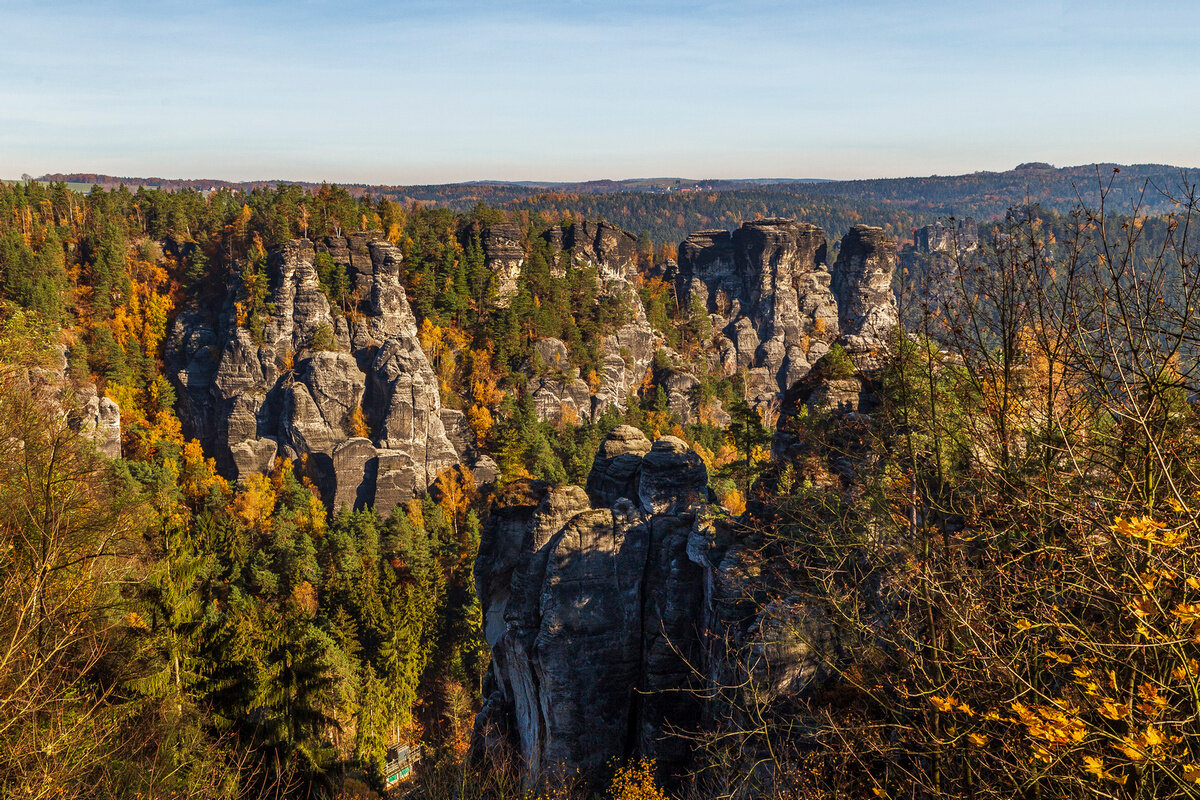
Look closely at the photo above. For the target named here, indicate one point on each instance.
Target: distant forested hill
(667, 209)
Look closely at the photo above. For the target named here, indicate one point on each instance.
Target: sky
(433, 92)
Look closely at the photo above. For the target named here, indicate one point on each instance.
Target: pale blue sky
(412, 92)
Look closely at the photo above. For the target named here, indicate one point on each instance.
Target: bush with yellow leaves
(635, 781)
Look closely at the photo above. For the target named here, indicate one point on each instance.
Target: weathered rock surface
(951, 236)
(561, 398)
(617, 466)
(767, 288)
(836, 395)
(775, 305)
(504, 255)
(625, 354)
(248, 400)
(592, 611)
(617, 616)
(611, 250)
(99, 418)
(862, 283)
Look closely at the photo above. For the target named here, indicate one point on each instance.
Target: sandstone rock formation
(775, 305)
(94, 415)
(767, 288)
(617, 616)
(249, 400)
(951, 236)
(625, 354)
(611, 250)
(862, 283)
(504, 255)
(591, 610)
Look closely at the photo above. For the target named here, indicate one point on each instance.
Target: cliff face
(316, 380)
(593, 610)
(862, 283)
(618, 616)
(613, 251)
(504, 256)
(775, 305)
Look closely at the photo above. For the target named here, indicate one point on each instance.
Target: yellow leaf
(1142, 606)
(1187, 612)
(1113, 711)
(943, 704)
(1152, 737)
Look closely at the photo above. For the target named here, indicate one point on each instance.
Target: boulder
(616, 466)
(253, 455)
(672, 478)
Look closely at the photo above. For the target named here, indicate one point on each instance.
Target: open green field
(82, 188)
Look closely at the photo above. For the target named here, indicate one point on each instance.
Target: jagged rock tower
(300, 389)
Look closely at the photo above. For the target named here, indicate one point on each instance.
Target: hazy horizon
(627, 178)
(421, 92)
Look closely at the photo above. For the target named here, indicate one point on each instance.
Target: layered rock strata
(862, 284)
(353, 393)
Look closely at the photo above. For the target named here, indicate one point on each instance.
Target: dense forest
(669, 209)
(1003, 548)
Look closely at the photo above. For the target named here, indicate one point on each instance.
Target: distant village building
(959, 235)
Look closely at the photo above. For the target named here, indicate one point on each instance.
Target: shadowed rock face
(248, 401)
(774, 303)
(593, 612)
(612, 614)
(610, 249)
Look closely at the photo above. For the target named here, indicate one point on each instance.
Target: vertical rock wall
(316, 378)
(775, 305)
(592, 609)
